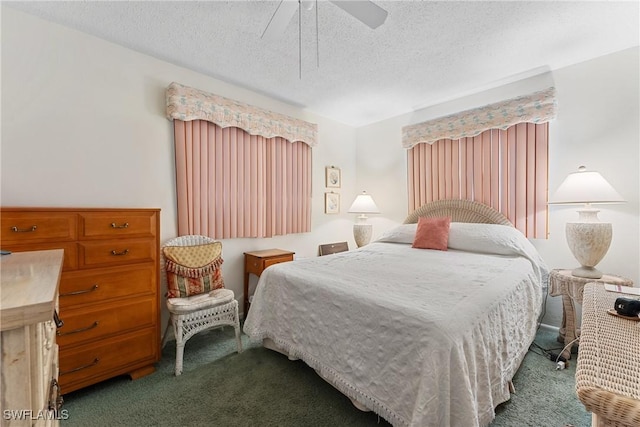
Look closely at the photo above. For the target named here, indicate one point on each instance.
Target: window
(505, 169)
(240, 171)
(496, 154)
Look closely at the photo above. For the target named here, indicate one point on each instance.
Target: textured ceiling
(425, 53)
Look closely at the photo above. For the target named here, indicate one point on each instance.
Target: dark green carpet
(262, 388)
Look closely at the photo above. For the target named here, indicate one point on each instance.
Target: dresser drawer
(109, 225)
(93, 362)
(70, 261)
(115, 252)
(27, 227)
(104, 284)
(94, 322)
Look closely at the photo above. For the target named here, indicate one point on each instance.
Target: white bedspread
(421, 337)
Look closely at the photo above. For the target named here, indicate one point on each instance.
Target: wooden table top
(269, 253)
(29, 287)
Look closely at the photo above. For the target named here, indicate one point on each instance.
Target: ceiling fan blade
(280, 19)
(366, 11)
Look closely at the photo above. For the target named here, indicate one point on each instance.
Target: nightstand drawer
(278, 260)
(253, 265)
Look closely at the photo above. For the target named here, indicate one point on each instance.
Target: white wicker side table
(563, 283)
(608, 370)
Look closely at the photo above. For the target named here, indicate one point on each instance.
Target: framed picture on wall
(331, 203)
(332, 177)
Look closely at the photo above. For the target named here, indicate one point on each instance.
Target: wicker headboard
(459, 211)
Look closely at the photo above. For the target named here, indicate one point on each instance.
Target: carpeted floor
(262, 388)
(544, 396)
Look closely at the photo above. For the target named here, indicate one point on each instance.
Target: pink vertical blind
(505, 169)
(232, 184)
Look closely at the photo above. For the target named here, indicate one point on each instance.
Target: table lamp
(363, 205)
(588, 238)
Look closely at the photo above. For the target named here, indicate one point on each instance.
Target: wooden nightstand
(571, 288)
(256, 261)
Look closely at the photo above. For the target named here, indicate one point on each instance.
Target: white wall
(597, 126)
(83, 125)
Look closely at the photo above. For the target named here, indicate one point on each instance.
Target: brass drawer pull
(125, 225)
(24, 230)
(55, 397)
(57, 320)
(84, 291)
(126, 251)
(95, 362)
(75, 331)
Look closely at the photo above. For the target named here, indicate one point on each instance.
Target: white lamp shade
(585, 187)
(364, 204)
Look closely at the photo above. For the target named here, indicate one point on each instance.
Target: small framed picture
(332, 177)
(331, 203)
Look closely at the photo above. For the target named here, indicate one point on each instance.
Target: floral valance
(538, 107)
(186, 104)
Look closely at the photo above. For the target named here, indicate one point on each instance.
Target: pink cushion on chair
(432, 233)
(193, 270)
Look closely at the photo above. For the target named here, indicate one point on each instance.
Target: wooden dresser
(109, 291)
(29, 392)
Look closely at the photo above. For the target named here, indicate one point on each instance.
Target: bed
(421, 337)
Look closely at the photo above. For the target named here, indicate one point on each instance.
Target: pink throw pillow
(432, 233)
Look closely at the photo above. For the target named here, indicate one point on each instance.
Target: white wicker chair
(197, 313)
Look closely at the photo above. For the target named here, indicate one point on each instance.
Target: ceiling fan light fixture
(365, 11)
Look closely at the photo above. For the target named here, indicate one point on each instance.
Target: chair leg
(179, 356)
(177, 331)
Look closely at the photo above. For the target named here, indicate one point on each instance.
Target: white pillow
(495, 239)
(405, 233)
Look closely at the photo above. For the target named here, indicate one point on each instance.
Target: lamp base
(362, 234)
(589, 242)
(587, 272)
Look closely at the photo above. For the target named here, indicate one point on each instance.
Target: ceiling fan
(365, 11)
